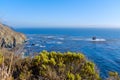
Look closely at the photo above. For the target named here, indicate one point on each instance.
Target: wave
(36, 44)
(54, 42)
(48, 36)
(59, 42)
(89, 39)
(42, 46)
(96, 40)
(60, 38)
(39, 45)
(77, 39)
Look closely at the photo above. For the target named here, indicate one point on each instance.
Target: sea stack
(9, 38)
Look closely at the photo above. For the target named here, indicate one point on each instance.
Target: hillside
(9, 38)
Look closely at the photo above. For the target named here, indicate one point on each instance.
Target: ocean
(104, 52)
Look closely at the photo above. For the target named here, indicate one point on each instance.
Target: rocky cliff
(9, 38)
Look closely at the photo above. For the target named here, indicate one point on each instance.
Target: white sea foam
(36, 44)
(42, 46)
(48, 36)
(59, 42)
(89, 39)
(60, 38)
(54, 42)
(96, 40)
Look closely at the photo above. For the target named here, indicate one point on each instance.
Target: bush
(113, 76)
(53, 66)
(74, 64)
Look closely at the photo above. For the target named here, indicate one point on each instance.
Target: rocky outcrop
(9, 38)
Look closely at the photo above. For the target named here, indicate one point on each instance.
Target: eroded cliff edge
(9, 38)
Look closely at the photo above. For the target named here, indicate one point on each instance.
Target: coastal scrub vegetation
(49, 66)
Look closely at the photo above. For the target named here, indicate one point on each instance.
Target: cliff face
(9, 38)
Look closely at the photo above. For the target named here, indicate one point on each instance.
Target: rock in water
(9, 38)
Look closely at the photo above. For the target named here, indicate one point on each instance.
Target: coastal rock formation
(9, 38)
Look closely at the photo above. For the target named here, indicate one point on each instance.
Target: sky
(60, 13)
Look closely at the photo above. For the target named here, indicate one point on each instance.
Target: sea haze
(105, 51)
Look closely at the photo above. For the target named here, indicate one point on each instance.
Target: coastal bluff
(10, 38)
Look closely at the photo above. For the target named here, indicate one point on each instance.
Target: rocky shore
(9, 38)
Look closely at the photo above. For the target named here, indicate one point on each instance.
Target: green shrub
(52, 61)
(54, 66)
(113, 73)
(62, 63)
(113, 76)
(1, 58)
(77, 77)
(70, 76)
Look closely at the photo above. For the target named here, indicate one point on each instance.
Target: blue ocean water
(105, 51)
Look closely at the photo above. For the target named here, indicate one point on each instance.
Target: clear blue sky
(64, 13)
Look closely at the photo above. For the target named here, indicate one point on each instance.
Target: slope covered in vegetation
(49, 66)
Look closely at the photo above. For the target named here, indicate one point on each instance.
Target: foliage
(70, 76)
(69, 65)
(113, 76)
(1, 58)
(53, 66)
